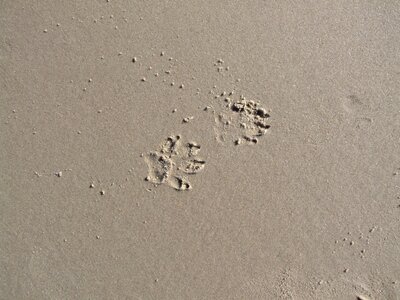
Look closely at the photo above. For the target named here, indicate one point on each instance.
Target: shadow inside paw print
(172, 160)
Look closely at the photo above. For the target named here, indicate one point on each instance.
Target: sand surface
(199, 149)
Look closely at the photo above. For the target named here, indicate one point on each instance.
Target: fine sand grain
(199, 149)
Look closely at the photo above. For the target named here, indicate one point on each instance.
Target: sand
(199, 149)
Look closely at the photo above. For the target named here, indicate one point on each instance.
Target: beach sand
(199, 149)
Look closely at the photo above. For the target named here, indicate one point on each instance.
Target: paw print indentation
(172, 161)
(240, 119)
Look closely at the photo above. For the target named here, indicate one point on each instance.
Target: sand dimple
(171, 161)
(355, 104)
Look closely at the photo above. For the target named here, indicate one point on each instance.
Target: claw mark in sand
(172, 161)
(243, 120)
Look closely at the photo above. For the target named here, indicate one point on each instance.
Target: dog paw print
(240, 119)
(173, 162)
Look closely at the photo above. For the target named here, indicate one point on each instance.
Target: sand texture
(200, 149)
